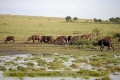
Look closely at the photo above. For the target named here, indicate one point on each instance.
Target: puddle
(20, 59)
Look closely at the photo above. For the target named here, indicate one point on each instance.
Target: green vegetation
(23, 27)
(93, 73)
(56, 64)
(21, 68)
(3, 68)
(74, 66)
(41, 62)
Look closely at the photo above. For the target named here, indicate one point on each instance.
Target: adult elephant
(60, 40)
(47, 39)
(9, 39)
(107, 41)
(35, 37)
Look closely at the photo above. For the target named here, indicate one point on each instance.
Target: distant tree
(115, 20)
(99, 20)
(75, 18)
(95, 20)
(112, 19)
(68, 19)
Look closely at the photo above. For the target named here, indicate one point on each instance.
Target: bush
(84, 43)
(116, 35)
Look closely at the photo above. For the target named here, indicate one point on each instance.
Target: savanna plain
(23, 27)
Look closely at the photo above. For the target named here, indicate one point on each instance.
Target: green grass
(23, 27)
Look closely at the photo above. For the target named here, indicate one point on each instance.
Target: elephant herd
(62, 40)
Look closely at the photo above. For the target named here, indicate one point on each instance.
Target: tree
(95, 20)
(99, 20)
(75, 18)
(115, 20)
(112, 19)
(68, 19)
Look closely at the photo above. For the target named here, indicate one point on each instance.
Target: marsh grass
(66, 59)
(11, 69)
(74, 66)
(41, 62)
(56, 64)
(21, 68)
(93, 73)
(10, 63)
(80, 61)
(105, 78)
(3, 68)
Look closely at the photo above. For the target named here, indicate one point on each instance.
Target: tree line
(111, 20)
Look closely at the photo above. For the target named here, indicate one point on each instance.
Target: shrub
(3, 68)
(96, 31)
(105, 78)
(74, 66)
(21, 68)
(115, 35)
(82, 42)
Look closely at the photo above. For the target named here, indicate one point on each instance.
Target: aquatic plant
(18, 58)
(105, 78)
(113, 68)
(96, 63)
(41, 62)
(92, 73)
(80, 60)
(74, 66)
(30, 64)
(56, 65)
(21, 68)
(67, 69)
(38, 69)
(3, 68)
(64, 58)
(99, 69)
(11, 69)
(11, 63)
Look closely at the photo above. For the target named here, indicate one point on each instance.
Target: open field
(23, 27)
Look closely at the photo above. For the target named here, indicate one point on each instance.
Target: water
(48, 59)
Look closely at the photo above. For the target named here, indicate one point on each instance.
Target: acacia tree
(97, 20)
(115, 20)
(68, 19)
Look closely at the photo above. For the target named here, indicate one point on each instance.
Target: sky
(86, 9)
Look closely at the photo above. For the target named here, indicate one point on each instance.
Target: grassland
(23, 27)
